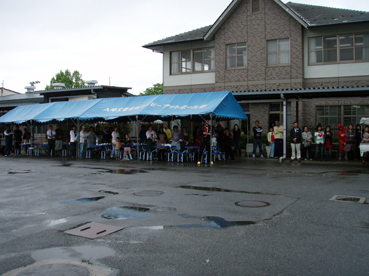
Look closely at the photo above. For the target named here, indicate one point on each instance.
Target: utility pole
(2, 89)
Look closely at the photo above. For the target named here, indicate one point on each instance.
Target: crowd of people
(303, 142)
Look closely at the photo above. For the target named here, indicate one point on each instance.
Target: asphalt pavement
(246, 217)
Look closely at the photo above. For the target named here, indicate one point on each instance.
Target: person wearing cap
(83, 135)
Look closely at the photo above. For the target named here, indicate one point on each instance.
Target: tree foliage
(69, 79)
(157, 89)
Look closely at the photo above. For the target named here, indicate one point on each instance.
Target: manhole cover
(252, 203)
(346, 198)
(149, 193)
(56, 269)
(93, 230)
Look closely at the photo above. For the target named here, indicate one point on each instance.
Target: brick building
(258, 46)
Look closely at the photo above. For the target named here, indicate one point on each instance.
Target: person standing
(58, 140)
(83, 135)
(306, 140)
(8, 134)
(17, 138)
(278, 136)
(258, 130)
(106, 136)
(228, 144)
(167, 131)
(295, 135)
(319, 142)
(271, 142)
(205, 134)
(26, 136)
(328, 143)
(51, 141)
(99, 135)
(350, 143)
(73, 141)
(114, 136)
(91, 140)
(237, 139)
(151, 138)
(341, 141)
(358, 141)
(143, 135)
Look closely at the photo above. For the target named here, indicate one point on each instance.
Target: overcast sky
(101, 39)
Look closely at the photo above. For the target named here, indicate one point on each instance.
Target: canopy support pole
(211, 138)
(77, 146)
(247, 137)
(137, 149)
(191, 127)
(31, 127)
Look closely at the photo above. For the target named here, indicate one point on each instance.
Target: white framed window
(339, 48)
(278, 51)
(189, 61)
(236, 55)
(203, 60)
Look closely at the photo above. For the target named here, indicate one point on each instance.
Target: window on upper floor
(236, 55)
(339, 48)
(189, 61)
(279, 51)
(255, 6)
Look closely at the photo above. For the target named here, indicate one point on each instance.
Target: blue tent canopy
(222, 106)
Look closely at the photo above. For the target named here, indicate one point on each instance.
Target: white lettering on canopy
(124, 109)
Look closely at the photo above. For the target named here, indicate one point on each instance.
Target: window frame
(338, 49)
(192, 61)
(236, 55)
(278, 52)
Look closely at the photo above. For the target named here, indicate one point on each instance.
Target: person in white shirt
(8, 134)
(51, 140)
(73, 141)
(83, 135)
(114, 136)
(151, 138)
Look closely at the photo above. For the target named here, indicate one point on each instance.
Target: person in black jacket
(228, 144)
(295, 135)
(205, 134)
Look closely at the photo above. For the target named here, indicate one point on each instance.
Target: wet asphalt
(184, 219)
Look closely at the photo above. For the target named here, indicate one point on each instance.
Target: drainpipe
(211, 138)
(284, 129)
(137, 125)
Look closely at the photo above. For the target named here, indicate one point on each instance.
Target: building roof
(322, 16)
(89, 88)
(307, 15)
(197, 34)
(21, 99)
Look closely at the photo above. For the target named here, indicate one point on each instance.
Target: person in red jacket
(341, 141)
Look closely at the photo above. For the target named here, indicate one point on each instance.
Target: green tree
(70, 80)
(157, 89)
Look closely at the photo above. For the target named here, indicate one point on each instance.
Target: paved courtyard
(183, 219)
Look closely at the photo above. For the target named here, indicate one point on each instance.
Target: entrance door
(272, 119)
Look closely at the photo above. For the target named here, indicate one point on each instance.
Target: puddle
(165, 209)
(115, 171)
(126, 212)
(149, 193)
(56, 222)
(19, 171)
(109, 192)
(83, 200)
(252, 203)
(214, 189)
(154, 169)
(81, 254)
(215, 222)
